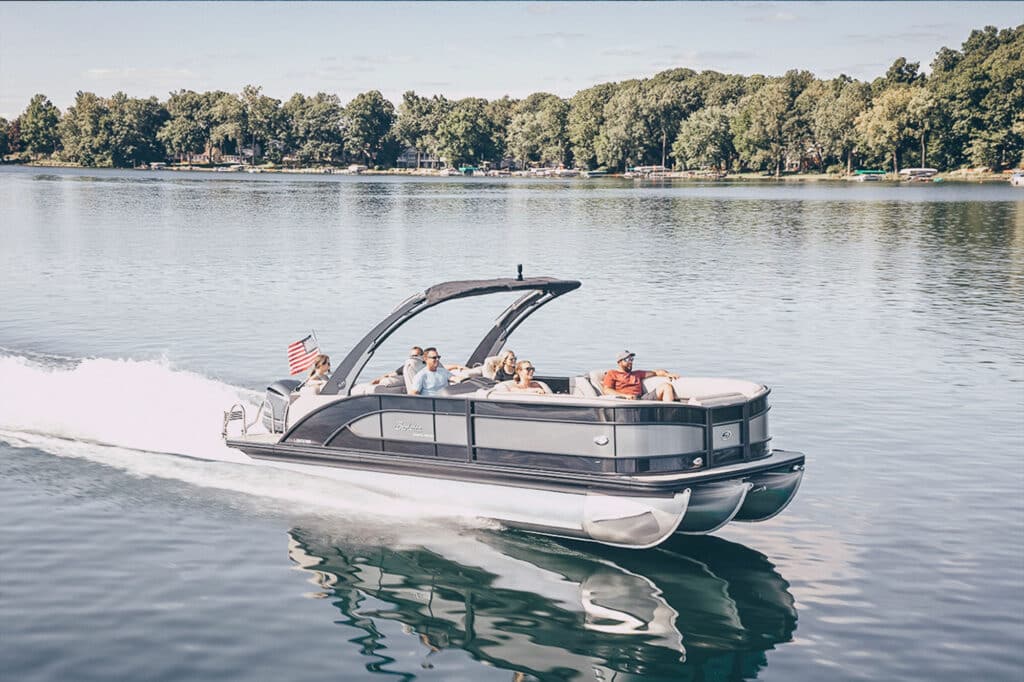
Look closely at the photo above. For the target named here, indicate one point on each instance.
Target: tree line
(968, 111)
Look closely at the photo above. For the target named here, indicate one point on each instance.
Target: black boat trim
(654, 485)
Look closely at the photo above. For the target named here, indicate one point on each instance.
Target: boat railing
(237, 413)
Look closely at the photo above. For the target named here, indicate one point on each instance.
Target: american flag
(302, 353)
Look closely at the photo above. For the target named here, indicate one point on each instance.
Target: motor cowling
(276, 402)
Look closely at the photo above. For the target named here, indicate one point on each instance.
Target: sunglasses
(432, 357)
(528, 369)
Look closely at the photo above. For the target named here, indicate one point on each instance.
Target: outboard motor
(276, 404)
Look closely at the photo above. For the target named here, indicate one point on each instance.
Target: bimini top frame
(539, 291)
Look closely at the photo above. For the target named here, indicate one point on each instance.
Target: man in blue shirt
(432, 379)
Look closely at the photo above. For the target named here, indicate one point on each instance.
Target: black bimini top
(480, 287)
(539, 290)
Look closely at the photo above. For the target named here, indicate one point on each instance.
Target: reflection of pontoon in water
(543, 607)
(573, 464)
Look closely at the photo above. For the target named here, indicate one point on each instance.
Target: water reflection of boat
(542, 607)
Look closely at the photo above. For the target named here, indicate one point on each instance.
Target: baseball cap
(624, 355)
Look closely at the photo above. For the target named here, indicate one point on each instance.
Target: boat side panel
(318, 426)
(759, 428)
(653, 440)
(587, 440)
(726, 435)
(555, 436)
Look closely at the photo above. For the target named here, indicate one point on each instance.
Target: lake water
(135, 306)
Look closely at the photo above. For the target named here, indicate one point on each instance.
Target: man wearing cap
(628, 383)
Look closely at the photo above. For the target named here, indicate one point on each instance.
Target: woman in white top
(318, 374)
(524, 382)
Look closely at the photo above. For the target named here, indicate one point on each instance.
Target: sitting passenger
(506, 366)
(627, 383)
(414, 362)
(432, 379)
(318, 375)
(524, 382)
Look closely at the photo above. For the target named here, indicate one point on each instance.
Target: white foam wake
(143, 405)
(131, 415)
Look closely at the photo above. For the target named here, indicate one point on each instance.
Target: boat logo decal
(411, 429)
(726, 434)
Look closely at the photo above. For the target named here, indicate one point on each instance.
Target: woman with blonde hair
(505, 369)
(524, 382)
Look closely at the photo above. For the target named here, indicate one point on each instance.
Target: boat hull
(713, 505)
(772, 492)
(636, 521)
(619, 511)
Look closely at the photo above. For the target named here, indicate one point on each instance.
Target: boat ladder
(236, 413)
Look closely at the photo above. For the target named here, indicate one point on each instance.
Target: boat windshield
(531, 294)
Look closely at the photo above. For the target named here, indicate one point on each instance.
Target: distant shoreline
(966, 176)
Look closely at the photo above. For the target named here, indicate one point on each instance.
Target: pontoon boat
(576, 463)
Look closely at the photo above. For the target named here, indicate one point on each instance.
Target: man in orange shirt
(628, 383)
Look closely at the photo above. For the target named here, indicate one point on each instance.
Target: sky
(459, 49)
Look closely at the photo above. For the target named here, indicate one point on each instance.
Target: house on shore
(414, 158)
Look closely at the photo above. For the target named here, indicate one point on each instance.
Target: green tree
(264, 122)
(537, 132)
(584, 121)
(499, 114)
(314, 127)
(919, 111)
(717, 89)
(38, 125)
(229, 124)
(995, 138)
(705, 139)
(187, 130)
(14, 136)
(85, 133)
(901, 72)
(5, 140)
(367, 121)
(833, 114)
(890, 125)
(624, 135)
(978, 94)
(465, 133)
(669, 98)
(769, 127)
(418, 120)
(133, 126)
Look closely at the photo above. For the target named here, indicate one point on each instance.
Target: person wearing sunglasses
(524, 382)
(432, 379)
(318, 374)
(626, 382)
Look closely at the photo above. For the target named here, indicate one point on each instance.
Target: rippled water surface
(888, 321)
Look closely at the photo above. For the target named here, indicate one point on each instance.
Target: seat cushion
(490, 366)
(409, 370)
